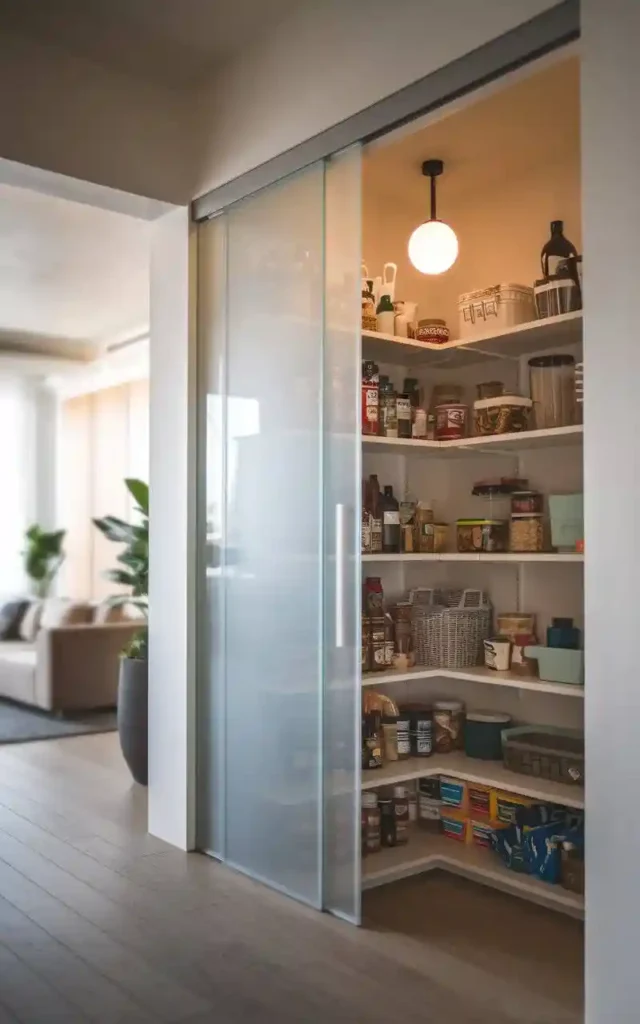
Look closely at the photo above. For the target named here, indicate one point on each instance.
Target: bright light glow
(433, 247)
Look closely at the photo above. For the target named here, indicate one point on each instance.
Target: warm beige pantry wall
(328, 60)
(501, 231)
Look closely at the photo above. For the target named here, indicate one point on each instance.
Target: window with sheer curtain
(16, 475)
(104, 437)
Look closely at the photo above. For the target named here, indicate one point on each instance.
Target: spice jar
(401, 811)
(371, 740)
(404, 735)
(526, 533)
(388, 834)
(448, 722)
(378, 644)
(403, 415)
(422, 732)
(373, 596)
(370, 819)
(423, 520)
(388, 417)
(390, 736)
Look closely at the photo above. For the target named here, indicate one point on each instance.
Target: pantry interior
(511, 167)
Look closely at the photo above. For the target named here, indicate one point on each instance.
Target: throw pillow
(11, 614)
(59, 611)
(30, 624)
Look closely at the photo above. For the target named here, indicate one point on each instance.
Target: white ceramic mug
(497, 653)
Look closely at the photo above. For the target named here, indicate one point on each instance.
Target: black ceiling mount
(433, 169)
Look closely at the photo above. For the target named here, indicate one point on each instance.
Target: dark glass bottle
(390, 522)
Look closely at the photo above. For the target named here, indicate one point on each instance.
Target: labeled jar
(388, 834)
(390, 737)
(423, 520)
(378, 644)
(370, 823)
(388, 416)
(526, 533)
(371, 740)
(401, 813)
(451, 421)
(366, 644)
(404, 735)
(448, 725)
(403, 415)
(370, 398)
(422, 732)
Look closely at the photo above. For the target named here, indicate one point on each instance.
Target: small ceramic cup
(497, 653)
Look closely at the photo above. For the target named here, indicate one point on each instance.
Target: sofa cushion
(30, 624)
(18, 671)
(59, 611)
(11, 615)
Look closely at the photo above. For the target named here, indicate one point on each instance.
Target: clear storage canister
(552, 380)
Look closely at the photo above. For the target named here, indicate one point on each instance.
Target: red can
(451, 421)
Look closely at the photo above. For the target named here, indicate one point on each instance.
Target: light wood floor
(100, 922)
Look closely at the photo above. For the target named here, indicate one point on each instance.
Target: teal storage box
(558, 664)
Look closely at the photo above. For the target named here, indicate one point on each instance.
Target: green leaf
(139, 491)
(127, 579)
(115, 529)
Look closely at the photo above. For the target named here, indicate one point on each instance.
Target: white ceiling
(73, 278)
(175, 42)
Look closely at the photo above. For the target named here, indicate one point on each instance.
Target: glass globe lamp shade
(433, 247)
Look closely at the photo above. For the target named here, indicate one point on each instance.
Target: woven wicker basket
(449, 631)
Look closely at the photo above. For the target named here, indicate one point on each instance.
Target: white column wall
(611, 171)
(172, 532)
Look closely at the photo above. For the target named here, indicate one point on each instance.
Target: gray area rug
(20, 724)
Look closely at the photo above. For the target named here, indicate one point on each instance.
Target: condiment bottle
(401, 810)
(376, 515)
(388, 423)
(371, 740)
(370, 398)
(365, 536)
(371, 840)
(385, 315)
(387, 820)
(390, 734)
(403, 413)
(390, 522)
(373, 597)
(404, 735)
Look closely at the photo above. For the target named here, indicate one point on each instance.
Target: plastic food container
(440, 537)
(504, 414)
(482, 535)
(558, 664)
(495, 308)
(451, 421)
(552, 383)
(435, 332)
(526, 532)
(567, 520)
(513, 623)
(483, 735)
(555, 295)
(523, 502)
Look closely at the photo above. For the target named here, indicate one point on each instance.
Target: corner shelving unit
(543, 582)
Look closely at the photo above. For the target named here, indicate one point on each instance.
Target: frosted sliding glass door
(266, 473)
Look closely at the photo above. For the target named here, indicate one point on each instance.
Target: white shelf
(569, 557)
(494, 444)
(426, 852)
(474, 675)
(488, 773)
(513, 342)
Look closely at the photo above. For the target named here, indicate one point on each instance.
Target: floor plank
(100, 922)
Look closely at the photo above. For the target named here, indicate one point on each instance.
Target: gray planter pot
(133, 706)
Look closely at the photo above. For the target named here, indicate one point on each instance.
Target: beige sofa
(67, 668)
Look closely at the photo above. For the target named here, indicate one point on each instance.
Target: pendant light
(433, 247)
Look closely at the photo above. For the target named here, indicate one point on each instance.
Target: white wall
(329, 60)
(172, 565)
(611, 169)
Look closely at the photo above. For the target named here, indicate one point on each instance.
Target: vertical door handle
(341, 525)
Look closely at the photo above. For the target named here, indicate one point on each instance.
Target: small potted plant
(43, 556)
(133, 686)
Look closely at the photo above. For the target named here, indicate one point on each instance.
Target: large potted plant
(43, 556)
(133, 573)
